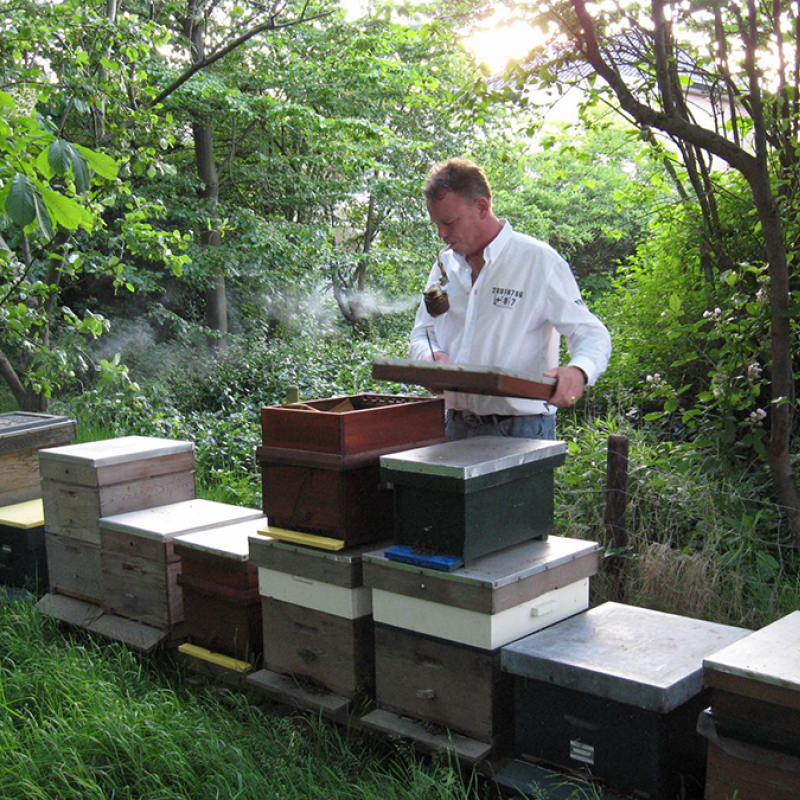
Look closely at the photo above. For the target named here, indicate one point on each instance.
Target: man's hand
(570, 383)
(438, 356)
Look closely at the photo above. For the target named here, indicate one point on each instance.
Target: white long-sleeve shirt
(524, 300)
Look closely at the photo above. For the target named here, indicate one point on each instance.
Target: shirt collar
(490, 253)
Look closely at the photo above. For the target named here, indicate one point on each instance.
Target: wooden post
(616, 502)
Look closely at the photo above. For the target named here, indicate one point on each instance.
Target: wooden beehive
(23, 558)
(753, 725)
(617, 691)
(473, 497)
(139, 565)
(22, 435)
(317, 615)
(82, 483)
(320, 461)
(438, 634)
(221, 602)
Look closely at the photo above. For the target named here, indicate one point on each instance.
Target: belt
(475, 420)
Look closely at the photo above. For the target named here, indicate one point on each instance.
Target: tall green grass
(81, 720)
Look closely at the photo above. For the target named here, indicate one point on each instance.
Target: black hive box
(617, 690)
(473, 497)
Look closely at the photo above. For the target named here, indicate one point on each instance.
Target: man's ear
(483, 205)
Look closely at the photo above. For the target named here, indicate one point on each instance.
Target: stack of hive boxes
(753, 724)
(23, 559)
(140, 566)
(325, 502)
(222, 605)
(83, 483)
(474, 571)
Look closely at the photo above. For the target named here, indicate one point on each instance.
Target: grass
(81, 720)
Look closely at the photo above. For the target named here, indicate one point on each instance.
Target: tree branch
(269, 25)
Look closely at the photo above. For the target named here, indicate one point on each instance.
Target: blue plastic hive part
(408, 555)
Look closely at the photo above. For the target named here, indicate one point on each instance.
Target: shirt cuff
(587, 367)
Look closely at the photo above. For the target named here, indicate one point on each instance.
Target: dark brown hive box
(753, 725)
(320, 460)
(23, 558)
(22, 435)
(221, 603)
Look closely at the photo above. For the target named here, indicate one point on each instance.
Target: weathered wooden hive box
(139, 565)
(23, 557)
(438, 635)
(83, 482)
(317, 615)
(221, 602)
(753, 725)
(617, 691)
(22, 435)
(320, 460)
(472, 497)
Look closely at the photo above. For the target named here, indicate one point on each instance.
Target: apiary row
(478, 640)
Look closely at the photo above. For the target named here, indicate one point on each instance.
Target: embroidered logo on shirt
(506, 298)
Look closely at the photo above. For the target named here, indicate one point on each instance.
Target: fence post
(616, 502)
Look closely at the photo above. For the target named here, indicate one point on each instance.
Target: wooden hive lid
(166, 522)
(225, 541)
(630, 655)
(768, 656)
(122, 450)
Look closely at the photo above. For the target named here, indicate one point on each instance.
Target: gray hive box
(317, 614)
(753, 725)
(472, 497)
(139, 565)
(439, 634)
(618, 690)
(22, 435)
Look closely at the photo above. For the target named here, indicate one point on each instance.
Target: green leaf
(21, 201)
(675, 302)
(103, 165)
(59, 156)
(66, 212)
(671, 405)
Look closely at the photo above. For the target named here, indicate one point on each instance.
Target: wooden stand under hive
(753, 725)
(317, 620)
(222, 606)
(84, 482)
(616, 691)
(438, 634)
(320, 461)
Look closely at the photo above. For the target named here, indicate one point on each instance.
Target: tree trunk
(216, 313)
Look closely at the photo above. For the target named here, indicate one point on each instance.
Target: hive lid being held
(767, 656)
(117, 451)
(472, 458)
(631, 655)
(225, 541)
(166, 522)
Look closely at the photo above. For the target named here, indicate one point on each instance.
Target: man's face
(460, 222)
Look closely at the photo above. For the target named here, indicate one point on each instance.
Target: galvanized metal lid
(166, 522)
(117, 451)
(634, 656)
(226, 541)
(503, 567)
(14, 421)
(767, 656)
(472, 458)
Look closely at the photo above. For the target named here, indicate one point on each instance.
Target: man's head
(459, 201)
